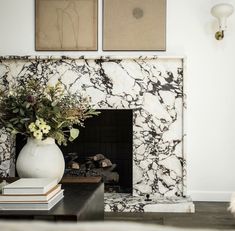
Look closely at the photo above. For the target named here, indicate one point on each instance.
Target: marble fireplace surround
(153, 87)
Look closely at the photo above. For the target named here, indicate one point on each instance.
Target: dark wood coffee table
(83, 201)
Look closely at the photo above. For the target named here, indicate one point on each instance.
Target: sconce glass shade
(222, 12)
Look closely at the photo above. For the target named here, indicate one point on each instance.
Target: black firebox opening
(109, 134)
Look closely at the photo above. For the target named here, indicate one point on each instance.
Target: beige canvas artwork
(134, 25)
(66, 24)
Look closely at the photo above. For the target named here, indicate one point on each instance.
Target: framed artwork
(64, 25)
(134, 25)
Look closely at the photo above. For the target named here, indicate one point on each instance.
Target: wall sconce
(221, 12)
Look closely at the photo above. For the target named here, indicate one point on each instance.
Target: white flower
(40, 122)
(37, 134)
(45, 128)
(32, 127)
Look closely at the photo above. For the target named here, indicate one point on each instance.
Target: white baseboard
(220, 196)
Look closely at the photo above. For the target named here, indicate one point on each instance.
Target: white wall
(210, 84)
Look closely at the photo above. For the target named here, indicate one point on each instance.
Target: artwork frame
(120, 30)
(57, 25)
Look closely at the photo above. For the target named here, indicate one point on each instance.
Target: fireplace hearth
(109, 134)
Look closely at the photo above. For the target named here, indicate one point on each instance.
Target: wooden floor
(207, 215)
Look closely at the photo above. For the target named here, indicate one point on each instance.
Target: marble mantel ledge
(102, 57)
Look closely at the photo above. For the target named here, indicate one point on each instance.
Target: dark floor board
(207, 215)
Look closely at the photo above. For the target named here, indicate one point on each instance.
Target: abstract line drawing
(66, 24)
(71, 12)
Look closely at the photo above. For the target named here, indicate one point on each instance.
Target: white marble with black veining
(7, 154)
(151, 86)
(124, 202)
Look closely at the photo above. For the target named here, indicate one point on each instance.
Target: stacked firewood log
(97, 165)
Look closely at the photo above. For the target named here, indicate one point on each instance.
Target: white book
(26, 186)
(6, 198)
(33, 206)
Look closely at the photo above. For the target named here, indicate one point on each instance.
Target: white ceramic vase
(40, 158)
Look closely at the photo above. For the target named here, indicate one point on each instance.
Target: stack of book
(31, 194)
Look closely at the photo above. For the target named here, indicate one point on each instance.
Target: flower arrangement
(33, 108)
